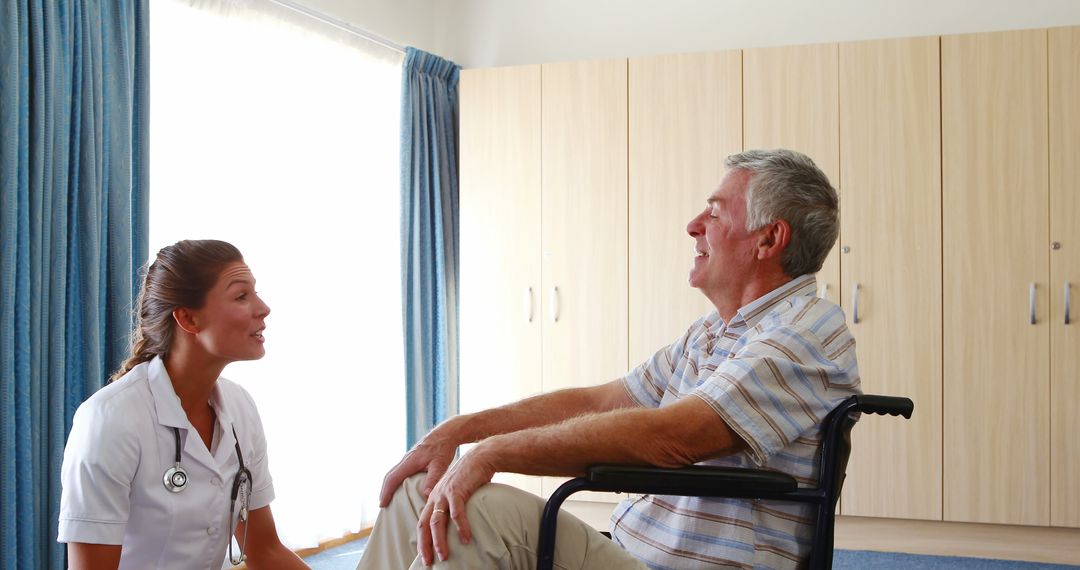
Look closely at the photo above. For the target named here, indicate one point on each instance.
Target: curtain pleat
(73, 223)
(429, 239)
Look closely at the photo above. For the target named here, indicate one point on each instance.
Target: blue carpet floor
(861, 559)
(346, 556)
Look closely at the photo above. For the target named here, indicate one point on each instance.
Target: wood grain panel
(890, 172)
(500, 240)
(791, 100)
(994, 199)
(685, 117)
(584, 237)
(584, 225)
(1064, 53)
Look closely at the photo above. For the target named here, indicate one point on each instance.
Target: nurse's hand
(446, 503)
(432, 455)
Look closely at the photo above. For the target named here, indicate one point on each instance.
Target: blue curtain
(429, 239)
(73, 216)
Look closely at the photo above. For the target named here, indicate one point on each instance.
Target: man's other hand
(432, 455)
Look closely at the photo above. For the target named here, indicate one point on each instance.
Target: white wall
(486, 33)
(404, 22)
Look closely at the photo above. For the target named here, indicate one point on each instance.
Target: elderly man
(747, 385)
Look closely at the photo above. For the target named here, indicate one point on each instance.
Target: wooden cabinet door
(995, 228)
(790, 100)
(584, 221)
(685, 118)
(890, 171)
(500, 240)
(1064, 46)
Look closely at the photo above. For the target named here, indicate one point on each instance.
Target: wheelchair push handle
(884, 405)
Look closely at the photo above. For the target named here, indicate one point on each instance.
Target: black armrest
(690, 481)
(882, 405)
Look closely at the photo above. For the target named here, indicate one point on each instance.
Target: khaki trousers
(505, 524)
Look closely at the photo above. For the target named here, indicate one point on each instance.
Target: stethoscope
(176, 480)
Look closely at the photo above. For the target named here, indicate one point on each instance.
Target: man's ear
(774, 238)
(185, 319)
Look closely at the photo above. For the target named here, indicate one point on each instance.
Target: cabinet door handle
(1066, 302)
(855, 303)
(528, 304)
(1031, 303)
(554, 304)
(823, 291)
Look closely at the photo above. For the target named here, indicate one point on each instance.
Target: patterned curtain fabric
(73, 218)
(429, 239)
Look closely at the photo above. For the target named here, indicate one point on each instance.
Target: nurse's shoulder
(123, 404)
(108, 429)
(101, 460)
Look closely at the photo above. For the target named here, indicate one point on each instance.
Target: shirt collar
(171, 414)
(222, 411)
(167, 403)
(749, 315)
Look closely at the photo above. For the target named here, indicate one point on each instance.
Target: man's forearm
(541, 410)
(637, 436)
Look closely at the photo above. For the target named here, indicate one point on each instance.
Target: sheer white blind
(280, 134)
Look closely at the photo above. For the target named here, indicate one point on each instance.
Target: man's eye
(242, 297)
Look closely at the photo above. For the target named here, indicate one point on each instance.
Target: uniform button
(212, 531)
(215, 482)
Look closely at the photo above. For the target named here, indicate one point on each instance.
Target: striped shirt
(773, 373)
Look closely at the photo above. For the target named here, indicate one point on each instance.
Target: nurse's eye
(242, 297)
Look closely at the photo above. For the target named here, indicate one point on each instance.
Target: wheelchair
(703, 481)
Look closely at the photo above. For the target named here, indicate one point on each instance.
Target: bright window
(280, 134)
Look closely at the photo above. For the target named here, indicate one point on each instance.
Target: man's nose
(694, 227)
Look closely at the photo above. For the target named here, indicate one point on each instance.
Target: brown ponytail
(181, 276)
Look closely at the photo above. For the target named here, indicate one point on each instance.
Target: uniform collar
(171, 414)
(751, 313)
(222, 411)
(166, 402)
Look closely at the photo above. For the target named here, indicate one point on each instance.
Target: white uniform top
(120, 446)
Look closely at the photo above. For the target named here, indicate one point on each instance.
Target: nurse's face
(232, 320)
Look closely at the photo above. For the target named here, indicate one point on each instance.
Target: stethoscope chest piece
(176, 478)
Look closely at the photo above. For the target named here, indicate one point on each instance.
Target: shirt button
(212, 531)
(215, 482)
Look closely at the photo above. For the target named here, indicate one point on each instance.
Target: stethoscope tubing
(176, 480)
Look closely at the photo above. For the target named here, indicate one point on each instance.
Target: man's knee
(407, 499)
(500, 493)
(413, 481)
(504, 505)
(409, 488)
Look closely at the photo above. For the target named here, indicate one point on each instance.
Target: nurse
(166, 462)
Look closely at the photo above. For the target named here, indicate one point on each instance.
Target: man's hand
(447, 502)
(432, 455)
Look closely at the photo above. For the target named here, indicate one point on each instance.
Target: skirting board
(1006, 542)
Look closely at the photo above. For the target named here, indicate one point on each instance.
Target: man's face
(725, 251)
